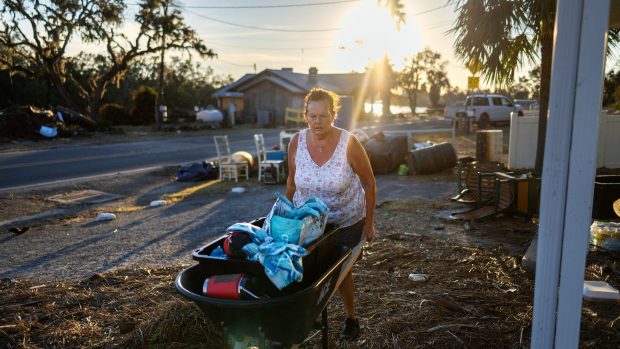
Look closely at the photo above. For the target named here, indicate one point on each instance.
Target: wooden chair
(229, 169)
(462, 170)
(479, 182)
(503, 200)
(274, 165)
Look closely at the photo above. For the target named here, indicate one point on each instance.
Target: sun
(368, 33)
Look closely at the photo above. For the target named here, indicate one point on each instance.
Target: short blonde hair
(320, 94)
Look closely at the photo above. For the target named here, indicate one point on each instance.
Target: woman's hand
(369, 232)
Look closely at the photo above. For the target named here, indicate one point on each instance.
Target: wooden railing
(294, 115)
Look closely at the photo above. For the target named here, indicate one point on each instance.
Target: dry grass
(477, 295)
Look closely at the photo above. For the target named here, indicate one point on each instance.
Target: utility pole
(159, 105)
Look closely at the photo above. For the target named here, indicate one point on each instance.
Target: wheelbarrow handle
(348, 264)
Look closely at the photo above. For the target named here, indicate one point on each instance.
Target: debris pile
(28, 122)
(475, 295)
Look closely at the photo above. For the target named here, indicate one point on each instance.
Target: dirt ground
(477, 294)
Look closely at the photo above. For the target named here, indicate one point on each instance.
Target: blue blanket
(281, 260)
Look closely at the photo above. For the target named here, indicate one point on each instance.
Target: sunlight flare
(369, 33)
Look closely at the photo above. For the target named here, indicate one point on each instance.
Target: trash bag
(197, 171)
(297, 225)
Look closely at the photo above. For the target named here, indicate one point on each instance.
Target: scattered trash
(28, 122)
(238, 190)
(606, 235)
(8, 281)
(106, 217)
(197, 171)
(49, 132)
(423, 145)
(418, 277)
(19, 230)
(156, 203)
(412, 234)
(599, 291)
(402, 170)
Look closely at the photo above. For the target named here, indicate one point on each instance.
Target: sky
(335, 36)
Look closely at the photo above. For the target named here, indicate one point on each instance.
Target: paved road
(35, 167)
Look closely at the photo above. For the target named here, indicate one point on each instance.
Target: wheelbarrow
(285, 319)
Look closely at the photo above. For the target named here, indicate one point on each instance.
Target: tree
(496, 37)
(423, 69)
(520, 89)
(36, 34)
(383, 78)
(191, 85)
(610, 86)
(54, 24)
(436, 80)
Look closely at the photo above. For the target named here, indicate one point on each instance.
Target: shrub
(113, 114)
(143, 106)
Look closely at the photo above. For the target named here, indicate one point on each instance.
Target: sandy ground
(73, 282)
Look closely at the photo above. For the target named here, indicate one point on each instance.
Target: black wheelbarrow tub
(287, 318)
(237, 265)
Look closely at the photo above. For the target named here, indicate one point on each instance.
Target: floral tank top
(335, 182)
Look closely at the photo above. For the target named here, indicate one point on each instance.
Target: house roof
(226, 90)
(299, 83)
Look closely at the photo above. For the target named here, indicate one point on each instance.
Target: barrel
(432, 159)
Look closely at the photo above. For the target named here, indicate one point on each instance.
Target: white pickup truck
(485, 109)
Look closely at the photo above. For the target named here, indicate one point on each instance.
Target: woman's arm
(361, 166)
(290, 181)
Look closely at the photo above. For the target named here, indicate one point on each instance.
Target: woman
(329, 163)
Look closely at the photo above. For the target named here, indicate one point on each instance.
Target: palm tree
(437, 79)
(495, 38)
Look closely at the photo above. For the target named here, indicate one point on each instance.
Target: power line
(435, 25)
(430, 10)
(270, 48)
(235, 64)
(264, 28)
(274, 6)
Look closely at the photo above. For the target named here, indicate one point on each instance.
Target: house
(232, 101)
(268, 93)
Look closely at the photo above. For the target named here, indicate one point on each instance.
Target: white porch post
(568, 171)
